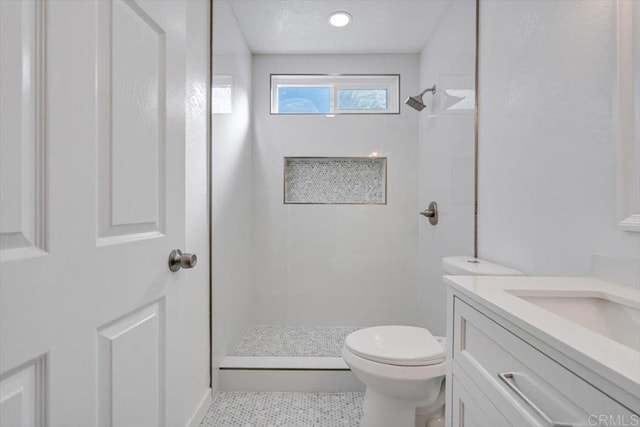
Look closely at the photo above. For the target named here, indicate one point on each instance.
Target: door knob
(178, 260)
(431, 212)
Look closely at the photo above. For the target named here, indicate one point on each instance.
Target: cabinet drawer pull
(508, 379)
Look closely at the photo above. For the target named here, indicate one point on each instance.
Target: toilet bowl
(402, 368)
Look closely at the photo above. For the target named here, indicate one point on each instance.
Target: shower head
(416, 102)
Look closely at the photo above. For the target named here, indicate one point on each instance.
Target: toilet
(403, 367)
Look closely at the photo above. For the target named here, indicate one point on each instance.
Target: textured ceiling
(300, 26)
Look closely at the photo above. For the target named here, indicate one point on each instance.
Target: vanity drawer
(470, 408)
(528, 387)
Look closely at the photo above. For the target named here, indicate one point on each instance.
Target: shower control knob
(178, 260)
(431, 212)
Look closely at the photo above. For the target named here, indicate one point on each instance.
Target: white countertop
(612, 360)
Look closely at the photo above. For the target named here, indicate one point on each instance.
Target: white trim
(628, 115)
(127, 238)
(20, 254)
(203, 407)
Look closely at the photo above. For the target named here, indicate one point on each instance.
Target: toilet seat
(396, 345)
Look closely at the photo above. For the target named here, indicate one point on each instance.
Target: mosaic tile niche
(335, 180)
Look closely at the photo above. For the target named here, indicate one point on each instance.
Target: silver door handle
(508, 379)
(178, 260)
(431, 212)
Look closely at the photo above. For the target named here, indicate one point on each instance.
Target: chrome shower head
(416, 102)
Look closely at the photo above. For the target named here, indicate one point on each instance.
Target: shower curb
(282, 374)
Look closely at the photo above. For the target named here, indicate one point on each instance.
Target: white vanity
(542, 351)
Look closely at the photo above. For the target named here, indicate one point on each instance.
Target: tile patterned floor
(271, 409)
(282, 341)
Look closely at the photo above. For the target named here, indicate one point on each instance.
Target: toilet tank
(470, 266)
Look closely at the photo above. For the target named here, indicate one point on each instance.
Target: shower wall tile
(335, 264)
(335, 180)
(232, 186)
(446, 157)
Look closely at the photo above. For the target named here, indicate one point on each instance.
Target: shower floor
(293, 341)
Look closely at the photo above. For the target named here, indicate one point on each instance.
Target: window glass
(304, 100)
(222, 100)
(222, 94)
(331, 94)
(362, 99)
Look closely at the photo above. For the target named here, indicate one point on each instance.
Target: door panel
(22, 213)
(130, 369)
(22, 396)
(99, 310)
(132, 141)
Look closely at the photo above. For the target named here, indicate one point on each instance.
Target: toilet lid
(396, 345)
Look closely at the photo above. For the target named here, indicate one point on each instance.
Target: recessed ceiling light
(339, 19)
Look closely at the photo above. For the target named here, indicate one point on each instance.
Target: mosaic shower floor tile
(271, 409)
(294, 341)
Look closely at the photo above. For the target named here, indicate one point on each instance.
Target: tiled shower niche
(335, 180)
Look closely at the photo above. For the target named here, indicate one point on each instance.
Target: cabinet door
(468, 411)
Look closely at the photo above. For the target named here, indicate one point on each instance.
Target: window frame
(388, 82)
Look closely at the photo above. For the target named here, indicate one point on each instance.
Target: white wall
(232, 159)
(335, 264)
(547, 173)
(446, 156)
(195, 304)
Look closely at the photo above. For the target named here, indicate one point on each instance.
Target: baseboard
(199, 414)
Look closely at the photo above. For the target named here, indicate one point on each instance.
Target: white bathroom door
(92, 183)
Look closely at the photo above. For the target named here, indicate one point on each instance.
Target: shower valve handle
(431, 213)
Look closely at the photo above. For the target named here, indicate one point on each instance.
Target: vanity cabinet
(498, 377)
(470, 408)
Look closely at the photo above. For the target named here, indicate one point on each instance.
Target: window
(301, 99)
(335, 94)
(222, 95)
(362, 99)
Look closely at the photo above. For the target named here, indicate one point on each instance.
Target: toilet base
(385, 411)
